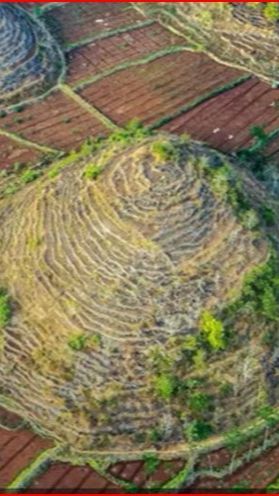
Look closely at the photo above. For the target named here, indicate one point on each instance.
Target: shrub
(199, 402)
(269, 414)
(160, 360)
(271, 11)
(260, 291)
(164, 386)
(270, 337)
(234, 439)
(249, 219)
(5, 308)
(220, 180)
(226, 389)
(151, 463)
(132, 132)
(30, 175)
(11, 189)
(198, 430)
(260, 136)
(77, 342)
(37, 10)
(92, 171)
(163, 151)
(212, 330)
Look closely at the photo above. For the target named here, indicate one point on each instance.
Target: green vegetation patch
(5, 308)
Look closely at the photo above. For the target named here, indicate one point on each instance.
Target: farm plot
(18, 449)
(12, 153)
(157, 88)
(63, 476)
(76, 23)
(142, 474)
(226, 120)
(257, 475)
(57, 122)
(101, 55)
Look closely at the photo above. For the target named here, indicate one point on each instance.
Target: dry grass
(108, 277)
(232, 33)
(31, 62)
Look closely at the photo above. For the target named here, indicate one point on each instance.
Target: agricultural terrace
(94, 270)
(238, 34)
(31, 61)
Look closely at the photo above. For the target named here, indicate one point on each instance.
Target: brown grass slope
(238, 34)
(109, 278)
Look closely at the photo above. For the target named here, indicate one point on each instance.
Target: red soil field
(257, 474)
(78, 21)
(57, 122)
(64, 476)
(101, 55)
(136, 472)
(17, 450)
(152, 91)
(225, 121)
(12, 153)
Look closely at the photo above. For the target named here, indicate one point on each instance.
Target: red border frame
(124, 1)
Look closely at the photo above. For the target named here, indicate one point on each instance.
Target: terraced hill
(30, 60)
(242, 35)
(109, 47)
(119, 269)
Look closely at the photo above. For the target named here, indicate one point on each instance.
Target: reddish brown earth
(101, 55)
(152, 91)
(225, 121)
(20, 447)
(57, 122)
(17, 450)
(61, 476)
(75, 23)
(13, 153)
(257, 474)
(136, 472)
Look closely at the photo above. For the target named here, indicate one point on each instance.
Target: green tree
(212, 330)
(198, 430)
(164, 386)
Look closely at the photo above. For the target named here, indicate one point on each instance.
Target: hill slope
(120, 271)
(30, 61)
(238, 34)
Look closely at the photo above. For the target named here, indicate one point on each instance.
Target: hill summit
(133, 277)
